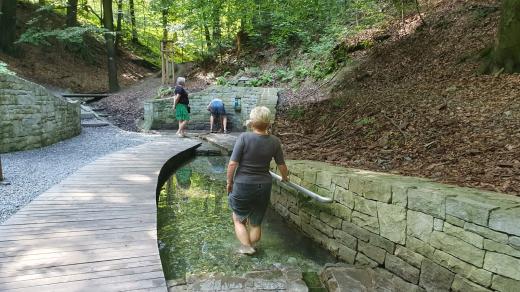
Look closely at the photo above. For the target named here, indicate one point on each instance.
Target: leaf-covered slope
(417, 105)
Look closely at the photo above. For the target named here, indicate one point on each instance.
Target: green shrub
(262, 80)
(222, 80)
(164, 91)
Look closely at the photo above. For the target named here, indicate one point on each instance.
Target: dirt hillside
(417, 105)
(57, 66)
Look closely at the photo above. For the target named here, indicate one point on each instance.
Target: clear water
(196, 231)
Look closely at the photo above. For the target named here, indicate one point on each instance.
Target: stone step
(226, 142)
(345, 277)
(207, 149)
(283, 279)
(87, 115)
(93, 123)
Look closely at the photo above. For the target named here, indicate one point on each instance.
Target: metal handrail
(301, 189)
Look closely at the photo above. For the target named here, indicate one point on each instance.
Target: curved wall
(433, 236)
(31, 117)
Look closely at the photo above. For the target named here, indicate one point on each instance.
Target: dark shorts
(250, 201)
(218, 110)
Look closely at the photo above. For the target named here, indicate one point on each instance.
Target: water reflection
(196, 231)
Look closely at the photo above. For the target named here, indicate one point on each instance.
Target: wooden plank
(12, 251)
(98, 251)
(138, 269)
(95, 231)
(8, 235)
(59, 241)
(117, 283)
(77, 268)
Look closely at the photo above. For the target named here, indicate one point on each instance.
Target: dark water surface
(196, 231)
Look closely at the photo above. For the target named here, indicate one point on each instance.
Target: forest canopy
(205, 29)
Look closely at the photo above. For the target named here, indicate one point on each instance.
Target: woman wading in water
(248, 179)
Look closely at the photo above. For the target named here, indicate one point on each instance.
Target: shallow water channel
(196, 234)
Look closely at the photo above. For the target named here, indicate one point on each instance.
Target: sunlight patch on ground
(136, 178)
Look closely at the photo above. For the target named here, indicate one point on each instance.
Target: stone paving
(277, 279)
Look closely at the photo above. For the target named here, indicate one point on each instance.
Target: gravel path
(32, 172)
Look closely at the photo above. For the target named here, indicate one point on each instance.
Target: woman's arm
(176, 99)
(284, 172)
(232, 166)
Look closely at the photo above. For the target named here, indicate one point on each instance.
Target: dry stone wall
(159, 113)
(31, 117)
(434, 236)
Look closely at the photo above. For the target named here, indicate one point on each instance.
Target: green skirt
(181, 112)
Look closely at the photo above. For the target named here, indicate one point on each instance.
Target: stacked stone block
(434, 236)
(31, 117)
(159, 113)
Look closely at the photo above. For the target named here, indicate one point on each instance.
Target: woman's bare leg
(223, 122)
(241, 231)
(183, 125)
(179, 131)
(255, 233)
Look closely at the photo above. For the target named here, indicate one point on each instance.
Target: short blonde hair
(259, 118)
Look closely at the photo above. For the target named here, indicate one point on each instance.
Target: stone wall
(31, 117)
(159, 113)
(434, 236)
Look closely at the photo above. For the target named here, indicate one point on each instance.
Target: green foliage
(164, 91)
(365, 121)
(295, 113)
(301, 71)
(283, 75)
(72, 36)
(222, 80)
(262, 80)
(208, 31)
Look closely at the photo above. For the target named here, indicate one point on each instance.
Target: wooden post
(167, 70)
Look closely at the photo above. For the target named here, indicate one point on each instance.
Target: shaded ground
(417, 105)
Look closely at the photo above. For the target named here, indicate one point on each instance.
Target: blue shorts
(217, 110)
(250, 201)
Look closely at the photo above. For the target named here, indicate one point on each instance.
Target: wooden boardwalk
(95, 231)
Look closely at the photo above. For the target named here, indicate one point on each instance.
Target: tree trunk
(119, 20)
(108, 21)
(135, 40)
(207, 35)
(507, 49)
(217, 32)
(8, 25)
(165, 23)
(72, 13)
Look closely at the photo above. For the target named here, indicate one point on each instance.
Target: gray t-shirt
(254, 153)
